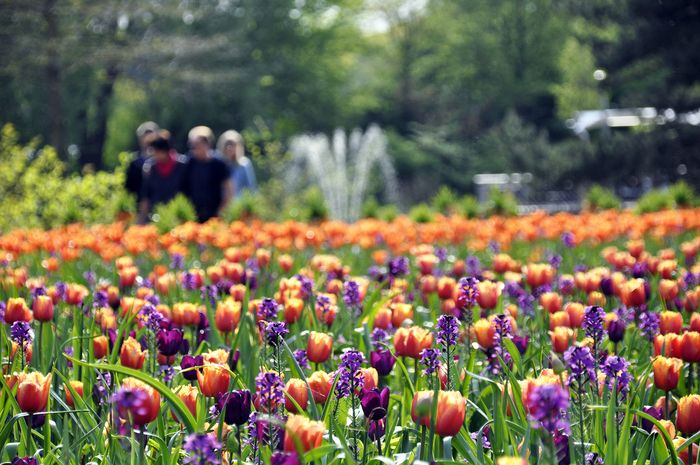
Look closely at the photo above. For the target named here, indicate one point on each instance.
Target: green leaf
(181, 410)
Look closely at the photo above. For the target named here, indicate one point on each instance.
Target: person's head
(144, 131)
(231, 145)
(200, 139)
(159, 145)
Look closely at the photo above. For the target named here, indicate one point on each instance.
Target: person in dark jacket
(163, 174)
(208, 178)
(134, 172)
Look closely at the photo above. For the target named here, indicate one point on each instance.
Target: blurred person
(134, 172)
(231, 146)
(207, 177)
(163, 174)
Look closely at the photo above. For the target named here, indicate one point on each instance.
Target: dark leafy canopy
(465, 86)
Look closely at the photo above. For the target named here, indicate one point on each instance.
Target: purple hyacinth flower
(581, 365)
(448, 330)
(430, 359)
(21, 333)
(275, 332)
(301, 358)
(548, 404)
(616, 370)
(201, 449)
(284, 458)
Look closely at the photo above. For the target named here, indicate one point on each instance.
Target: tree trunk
(96, 137)
(53, 78)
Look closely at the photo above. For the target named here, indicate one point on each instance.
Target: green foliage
(501, 203)
(249, 205)
(313, 205)
(683, 195)
(600, 198)
(388, 212)
(679, 195)
(35, 192)
(370, 208)
(444, 201)
(468, 206)
(421, 213)
(179, 210)
(577, 89)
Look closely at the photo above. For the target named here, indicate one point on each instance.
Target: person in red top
(163, 174)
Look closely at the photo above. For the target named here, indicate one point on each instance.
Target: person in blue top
(230, 145)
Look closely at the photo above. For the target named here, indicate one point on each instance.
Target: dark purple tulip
(233, 360)
(382, 361)
(169, 341)
(561, 445)
(284, 458)
(375, 403)
(376, 430)
(616, 330)
(606, 286)
(521, 343)
(189, 361)
(236, 407)
(651, 411)
(202, 328)
(24, 461)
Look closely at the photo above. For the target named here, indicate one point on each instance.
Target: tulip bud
(296, 389)
(319, 347)
(670, 322)
(43, 308)
(667, 372)
(33, 391)
(688, 414)
(78, 388)
(131, 354)
(320, 384)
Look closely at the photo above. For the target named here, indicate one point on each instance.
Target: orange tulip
(694, 322)
(411, 341)
(551, 301)
(484, 332)
(685, 455)
(668, 345)
(17, 310)
(296, 389)
(575, 311)
(319, 347)
(511, 461)
(371, 378)
(188, 395)
(286, 262)
(559, 319)
(147, 412)
(292, 310)
(131, 354)
(213, 380)
(43, 308)
(400, 313)
(489, 292)
(692, 299)
(446, 287)
(670, 322)
(382, 319)
(539, 274)
(227, 316)
(238, 291)
(305, 433)
(561, 339)
(185, 314)
(77, 387)
(33, 391)
(451, 411)
(28, 352)
(320, 383)
(690, 346)
(633, 293)
(666, 372)
(100, 346)
(688, 414)
(668, 289)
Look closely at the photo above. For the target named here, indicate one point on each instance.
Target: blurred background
(474, 106)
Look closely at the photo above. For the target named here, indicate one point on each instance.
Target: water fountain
(341, 167)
